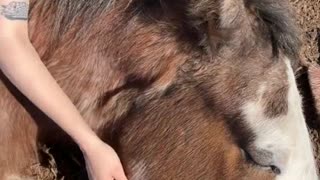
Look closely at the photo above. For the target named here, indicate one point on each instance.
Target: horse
(185, 89)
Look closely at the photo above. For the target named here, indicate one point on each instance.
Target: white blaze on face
(286, 136)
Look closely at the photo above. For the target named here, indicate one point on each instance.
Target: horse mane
(67, 11)
(274, 16)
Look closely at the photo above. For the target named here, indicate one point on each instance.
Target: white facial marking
(286, 136)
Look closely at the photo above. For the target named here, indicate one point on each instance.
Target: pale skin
(20, 62)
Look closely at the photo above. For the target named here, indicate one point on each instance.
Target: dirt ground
(308, 17)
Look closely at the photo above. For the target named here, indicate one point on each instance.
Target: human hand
(102, 162)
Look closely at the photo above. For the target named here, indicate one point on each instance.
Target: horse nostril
(275, 170)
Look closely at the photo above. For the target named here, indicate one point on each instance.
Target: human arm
(20, 62)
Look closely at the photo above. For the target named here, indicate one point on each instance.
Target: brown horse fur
(161, 81)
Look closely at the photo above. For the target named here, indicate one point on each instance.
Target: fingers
(120, 175)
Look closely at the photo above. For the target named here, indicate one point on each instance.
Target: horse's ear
(225, 23)
(278, 17)
(238, 23)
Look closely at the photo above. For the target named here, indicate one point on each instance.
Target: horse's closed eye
(261, 160)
